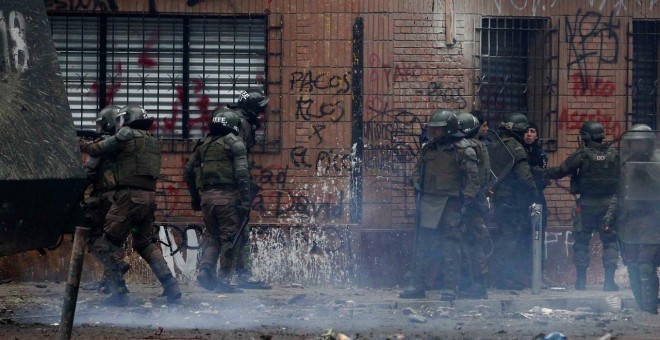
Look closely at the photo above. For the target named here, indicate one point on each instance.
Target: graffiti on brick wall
(307, 84)
(310, 256)
(14, 54)
(573, 119)
(78, 5)
(593, 42)
(535, 7)
(323, 200)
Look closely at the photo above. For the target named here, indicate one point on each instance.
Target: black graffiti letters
(306, 82)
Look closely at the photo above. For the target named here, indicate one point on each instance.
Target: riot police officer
(219, 183)
(250, 108)
(594, 176)
(137, 155)
(473, 257)
(101, 174)
(634, 214)
(446, 177)
(512, 196)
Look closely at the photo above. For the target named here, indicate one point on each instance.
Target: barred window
(517, 72)
(179, 68)
(644, 87)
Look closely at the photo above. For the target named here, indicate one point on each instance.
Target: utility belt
(220, 187)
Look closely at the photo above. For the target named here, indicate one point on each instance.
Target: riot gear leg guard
(649, 288)
(580, 278)
(223, 284)
(609, 285)
(207, 267)
(154, 257)
(635, 283)
(104, 249)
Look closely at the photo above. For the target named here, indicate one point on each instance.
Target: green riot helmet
(468, 125)
(134, 116)
(515, 122)
(225, 121)
(107, 120)
(592, 131)
(445, 118)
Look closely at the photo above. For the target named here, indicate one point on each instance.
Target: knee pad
(146, 250)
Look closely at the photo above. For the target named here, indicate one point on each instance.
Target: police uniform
(633, 213)
(594, 176)
(474, 261)
(137, 154)
(101, 172)
(512, 196)
(448, 175)
(218, 170)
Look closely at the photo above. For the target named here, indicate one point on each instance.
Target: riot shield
(638, 211)
(501, 158)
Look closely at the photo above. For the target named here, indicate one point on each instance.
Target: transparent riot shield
(638, 211)
(501, 158)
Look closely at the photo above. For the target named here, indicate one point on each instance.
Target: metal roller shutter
(178, 68)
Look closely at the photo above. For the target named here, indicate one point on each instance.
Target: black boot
(609, 285)
(580, 278)
(119, 295)
(206, 278)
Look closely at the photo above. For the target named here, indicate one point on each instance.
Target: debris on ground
(332, 335)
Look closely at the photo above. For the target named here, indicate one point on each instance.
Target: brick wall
(409, 71)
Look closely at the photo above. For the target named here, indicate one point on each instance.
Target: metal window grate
(516, 71)
(644, 88)
(179, 68)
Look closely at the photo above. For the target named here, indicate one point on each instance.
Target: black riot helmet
(253, 102)
(134, 116)
(225, 121)
(468, 125)
(107, 120)
(445, 118)
(592, 131)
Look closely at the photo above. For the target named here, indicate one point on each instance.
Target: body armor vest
(442, 173)
(216, 167)
(597, 174)
(138, 164)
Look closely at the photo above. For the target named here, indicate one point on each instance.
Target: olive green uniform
(476, 233)
(218, 171)
(636, 223)
(512, 196)
(448, 177)
(137, 155)
(594, 176)
(101, 172)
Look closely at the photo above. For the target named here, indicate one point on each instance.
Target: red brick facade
(411, 67)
